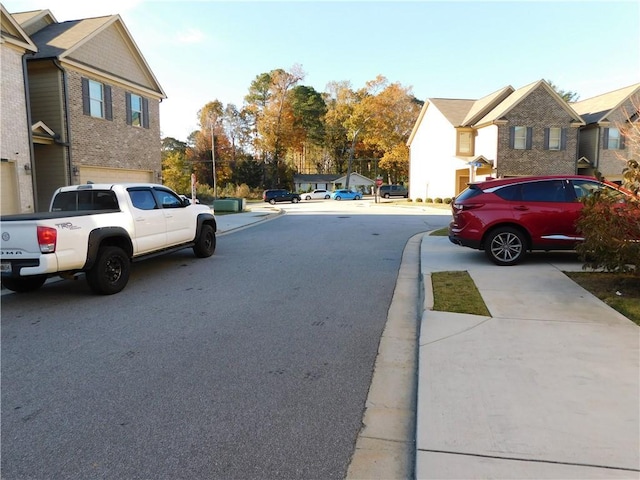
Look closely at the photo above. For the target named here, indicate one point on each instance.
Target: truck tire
(24, 284)
(110, 273)
(206, 242)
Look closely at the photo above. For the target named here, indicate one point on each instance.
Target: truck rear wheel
(24, 284)
(206, 242)
(110, 273)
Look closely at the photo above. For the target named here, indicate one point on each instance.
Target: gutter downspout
(575, 169)
(32, 153)
(67, 143)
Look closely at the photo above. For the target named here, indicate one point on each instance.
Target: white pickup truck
(100, 229)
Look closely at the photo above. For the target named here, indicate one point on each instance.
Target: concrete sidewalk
(254, 213)
(547, 387)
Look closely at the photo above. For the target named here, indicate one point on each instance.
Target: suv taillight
(467, 206)
(47, 238)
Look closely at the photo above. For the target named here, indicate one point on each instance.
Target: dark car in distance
(387, 191)
(508, 217)
(274, 196)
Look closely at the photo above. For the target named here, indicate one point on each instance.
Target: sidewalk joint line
(517, 459)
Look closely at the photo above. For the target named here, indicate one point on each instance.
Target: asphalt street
(255, 363)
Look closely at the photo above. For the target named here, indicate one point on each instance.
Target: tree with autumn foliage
(269, 100)
(393, 112)
(285, 127)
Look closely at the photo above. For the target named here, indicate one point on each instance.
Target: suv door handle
(521, 207)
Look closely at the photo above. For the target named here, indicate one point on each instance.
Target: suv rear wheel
(505, 246)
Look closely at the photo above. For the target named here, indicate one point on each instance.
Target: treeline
(285, 127)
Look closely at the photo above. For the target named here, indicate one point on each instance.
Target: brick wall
(14, 130)
(611, 162)
(538, 110)
(112, 143)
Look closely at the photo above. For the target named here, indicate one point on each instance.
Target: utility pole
(213, 158)
(353, 147)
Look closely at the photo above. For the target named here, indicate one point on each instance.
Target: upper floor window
(613, 140)
(96, 99)
(137, 110)
(465, 146)
(555, 138)
(521, 138)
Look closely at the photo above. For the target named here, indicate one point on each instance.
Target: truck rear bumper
(25, 267)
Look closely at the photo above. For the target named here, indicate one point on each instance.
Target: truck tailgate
(19, 240)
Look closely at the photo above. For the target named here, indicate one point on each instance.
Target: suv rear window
(470, 192)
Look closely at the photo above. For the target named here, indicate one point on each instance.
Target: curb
(386, 444)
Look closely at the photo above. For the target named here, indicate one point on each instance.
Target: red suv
(510, 216)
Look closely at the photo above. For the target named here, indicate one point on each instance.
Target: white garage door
(9, 186)
(114, 175)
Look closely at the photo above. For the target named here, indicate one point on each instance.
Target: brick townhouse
(92, 107)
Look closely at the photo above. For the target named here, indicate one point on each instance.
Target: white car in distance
(316, 195)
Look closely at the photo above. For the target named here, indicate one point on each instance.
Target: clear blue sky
(201, 51)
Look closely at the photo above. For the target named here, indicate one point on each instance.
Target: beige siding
(46, 93)
(50, 173)
(36, 26)
(109, 52)
(589, 144)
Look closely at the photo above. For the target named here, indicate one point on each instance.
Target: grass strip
(620, 291)
(457, 293)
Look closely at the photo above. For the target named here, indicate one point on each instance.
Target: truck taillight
(47, 238)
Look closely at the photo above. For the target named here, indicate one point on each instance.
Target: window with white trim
(555, 138)
(520, 138)
(96, 99)
(613, 140)
(136, 110)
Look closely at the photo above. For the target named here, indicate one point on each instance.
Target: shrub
(428, 200)
(419, 200)
(448, 200)
(438, 200)
(611, 230)
(243, 191)
(409, 200)
(204, 193)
